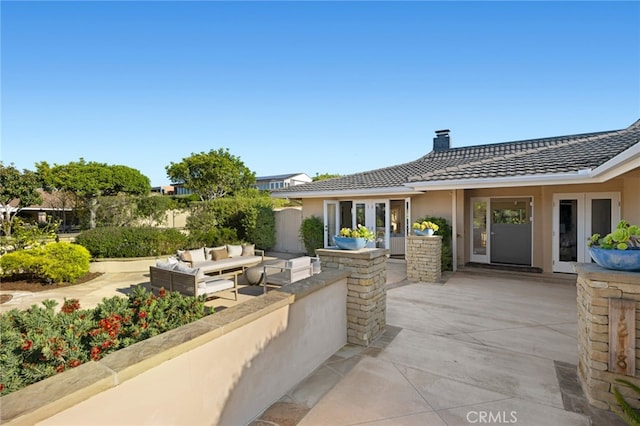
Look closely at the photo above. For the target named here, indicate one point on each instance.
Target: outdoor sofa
(217, 260)
(190, 281)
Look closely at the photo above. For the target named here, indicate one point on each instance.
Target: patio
(485, 347)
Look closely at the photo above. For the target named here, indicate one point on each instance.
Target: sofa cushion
(248, 250)
(219, 254)
(234, 250)
(211, 286)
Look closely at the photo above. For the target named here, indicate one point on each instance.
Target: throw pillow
(197, 255)
(218, 254)
(164, 265)
(248, 250)
(234, 250)
(207, 251)
(184, 255)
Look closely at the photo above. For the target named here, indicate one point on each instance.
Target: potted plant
(619, 250)
(353, 238)
(424, 228)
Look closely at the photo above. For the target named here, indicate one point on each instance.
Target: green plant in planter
(358, 232)
(624, 237)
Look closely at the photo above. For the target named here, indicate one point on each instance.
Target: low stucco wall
(138, 264)
(224, 369)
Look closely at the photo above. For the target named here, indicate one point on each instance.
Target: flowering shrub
(624, 237)
(358, 232)
(38, 343)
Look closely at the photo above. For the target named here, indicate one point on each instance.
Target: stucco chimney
(441, 142)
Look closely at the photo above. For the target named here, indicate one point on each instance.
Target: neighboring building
(164, 190)
(57, 206)
(270, 183)
(529, 203)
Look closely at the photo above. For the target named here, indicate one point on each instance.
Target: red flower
(162, 292)
(74, 363)
(1, 387)
(106, 344)
(142, 314)
(95, 353)
(60, 368)
(70, 306)
(26, 345)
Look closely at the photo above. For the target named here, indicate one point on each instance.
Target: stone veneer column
(366, 290)
(595, 286)
(424, 258)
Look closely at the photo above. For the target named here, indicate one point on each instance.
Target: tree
(212, 175)
(19, 186)
(90, 180)
(324, 176)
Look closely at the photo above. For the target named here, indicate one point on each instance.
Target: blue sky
(310, 87)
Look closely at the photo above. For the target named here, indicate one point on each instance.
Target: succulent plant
(624, 237)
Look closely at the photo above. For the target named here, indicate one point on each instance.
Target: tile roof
(561, 154)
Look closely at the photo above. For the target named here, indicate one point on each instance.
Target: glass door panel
(479, 229)
(382, 224)
(568, 231)
(331, 226)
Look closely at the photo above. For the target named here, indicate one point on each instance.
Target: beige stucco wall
(224, 369)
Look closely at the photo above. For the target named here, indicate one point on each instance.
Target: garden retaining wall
(226, 368)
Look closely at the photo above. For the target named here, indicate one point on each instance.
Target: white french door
(576, 217)
(374, 215)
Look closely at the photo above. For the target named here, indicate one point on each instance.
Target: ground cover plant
(39, 342)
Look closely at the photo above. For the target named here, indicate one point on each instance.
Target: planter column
(608, 329)
(366, 290)
(424, 256)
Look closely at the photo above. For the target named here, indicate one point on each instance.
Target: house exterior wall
(439, 203)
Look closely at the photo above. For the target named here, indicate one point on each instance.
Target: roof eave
(582, 176)
(624, 162)
(398, 190)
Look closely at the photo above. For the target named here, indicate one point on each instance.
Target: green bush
(55, 262)
(250, 214)
(212, 238)
(38, 342)
(123, 242)
(262, 230)
(445, 231)
(64, 262)
(312, 234)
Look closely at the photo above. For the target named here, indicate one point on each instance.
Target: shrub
(64, 262)
(312, 234)
(55, 262)
(444, 230)
(249, 214)
(38, 343)
(212, 238)
(119, 242)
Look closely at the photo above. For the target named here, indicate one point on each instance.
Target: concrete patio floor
(483, 345)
